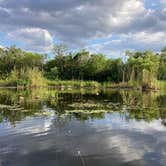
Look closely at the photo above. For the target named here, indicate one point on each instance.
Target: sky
(101, 26)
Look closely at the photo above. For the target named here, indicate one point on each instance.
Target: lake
(82, 128)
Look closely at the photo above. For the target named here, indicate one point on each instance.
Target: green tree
(60, 51)
(143, 67)
(162, 67)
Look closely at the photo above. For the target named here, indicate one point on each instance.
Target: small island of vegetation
(141, 70)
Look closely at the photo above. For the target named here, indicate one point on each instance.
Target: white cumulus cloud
(33, 38)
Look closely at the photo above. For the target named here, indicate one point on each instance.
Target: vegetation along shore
(82, 69)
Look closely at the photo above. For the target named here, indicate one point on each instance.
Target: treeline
(140, 67)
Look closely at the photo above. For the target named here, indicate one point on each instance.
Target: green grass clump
(28, 78)
(35, 78)
(161, 85)
(118, 85)
(73, 84)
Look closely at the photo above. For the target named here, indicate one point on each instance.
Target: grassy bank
(124, 85)
(155, 85)
(34, 79)
(48, 83)
(73, 84)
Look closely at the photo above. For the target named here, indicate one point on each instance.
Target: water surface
(82, 128)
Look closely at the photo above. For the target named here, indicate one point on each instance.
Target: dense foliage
(18, 67)
(84, 66)
(141, 67)
(13, 58)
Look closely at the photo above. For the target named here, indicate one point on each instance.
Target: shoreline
(66, 87)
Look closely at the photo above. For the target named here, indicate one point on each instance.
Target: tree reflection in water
(16, 105)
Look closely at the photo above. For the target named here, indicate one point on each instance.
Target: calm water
(82, 128)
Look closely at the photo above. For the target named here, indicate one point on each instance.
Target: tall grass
(35, 78)
(161, 85)
(28, 78)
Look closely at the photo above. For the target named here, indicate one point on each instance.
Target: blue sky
(106, 26)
